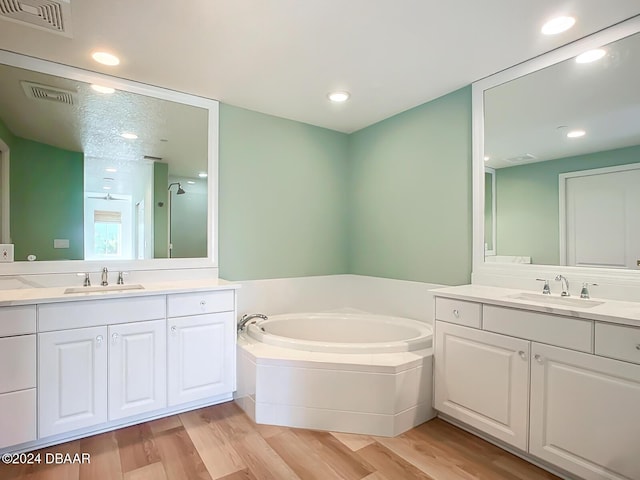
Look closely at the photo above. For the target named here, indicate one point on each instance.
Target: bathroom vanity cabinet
(106, 362)
(550, 385)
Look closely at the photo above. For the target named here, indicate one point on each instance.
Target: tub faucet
(248, 317)
(105, 277)
(564, 284)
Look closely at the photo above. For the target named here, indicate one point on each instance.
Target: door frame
(5, 210)
(562, 192)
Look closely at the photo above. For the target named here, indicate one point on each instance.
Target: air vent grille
(526, 157)
(45, 92)
(43, 14)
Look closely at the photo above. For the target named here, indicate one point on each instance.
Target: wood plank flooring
(222, 443)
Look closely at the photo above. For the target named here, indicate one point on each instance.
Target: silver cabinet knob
(456, 313)
(99, 339)
(114, 337)
(538, 358)
(174, 329)
(638, 347)
(522, 354)
(203, 303)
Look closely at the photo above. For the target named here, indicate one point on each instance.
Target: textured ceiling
(281, 57)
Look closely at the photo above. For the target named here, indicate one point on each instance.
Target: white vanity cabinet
(72, 388)
(584, 413)
(540, 382)
(482, 379)
(18, 375)
(201, 345)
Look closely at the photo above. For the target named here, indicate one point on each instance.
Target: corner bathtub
(345, 372)
(342, 333)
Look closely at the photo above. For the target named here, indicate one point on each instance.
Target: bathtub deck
(221, 442)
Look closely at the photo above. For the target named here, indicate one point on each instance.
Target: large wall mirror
(98, 170)
(557, 154)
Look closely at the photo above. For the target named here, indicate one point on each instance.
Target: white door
(482, 379)
(602, 216)
(201, 356)
(137, 368)
(72, 373)
(585, 407)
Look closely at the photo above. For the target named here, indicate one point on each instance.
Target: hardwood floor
(221, 442)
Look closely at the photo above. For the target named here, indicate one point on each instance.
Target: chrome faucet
(584, 293)
(564, 284)
(248, 317)
(546, 290)
(105, 277)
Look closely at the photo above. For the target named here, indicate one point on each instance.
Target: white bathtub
(342, 333)
(348, 372)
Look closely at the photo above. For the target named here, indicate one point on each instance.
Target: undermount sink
(565, 301)
(100, 288)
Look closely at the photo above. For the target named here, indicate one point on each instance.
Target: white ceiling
(282, 57)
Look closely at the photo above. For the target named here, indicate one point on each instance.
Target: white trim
(562, 197)
(498, 274)
(5, 193)
(212, 106)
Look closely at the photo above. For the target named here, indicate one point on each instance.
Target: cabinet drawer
(184, 304)
(17, 320)
(17, 417)
(459, 311)
(18, 357)
(91, 313)
(556, 330)
(618, 341)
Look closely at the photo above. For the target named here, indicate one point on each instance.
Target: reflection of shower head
(180, 190)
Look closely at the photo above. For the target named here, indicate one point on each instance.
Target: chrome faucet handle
(120, 277)
(105, 277)
(584, 293)
(546, 290)
(87, 280)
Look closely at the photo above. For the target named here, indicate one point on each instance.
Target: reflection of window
(107, 232)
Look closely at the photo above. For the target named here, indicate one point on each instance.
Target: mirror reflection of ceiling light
(487, 158)
(202, 175)
(102, 89)
(111, 170)
(576, 134)
(105, 58)
(339, 97)
(106, 187)
(191, 182)
(129, 136)
(591, 55)
(558, 25)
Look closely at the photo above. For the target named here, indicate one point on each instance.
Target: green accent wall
(283, 197)
(527, 198)
(46, 200)
(160, 209)
(410, 194)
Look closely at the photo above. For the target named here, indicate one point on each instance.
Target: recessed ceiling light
(202, 175)
(558, 25)
(111, 170)
(129, 136)
(106, 187)
(486, 158)
(339, 96)
(576, 134)
(591, 55)
(191, 182)
(106, 58)
(103, 89)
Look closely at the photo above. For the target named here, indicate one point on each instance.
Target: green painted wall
(46, 200)
(528, 205)
(283, 197)
(410, 194)
(160, 209)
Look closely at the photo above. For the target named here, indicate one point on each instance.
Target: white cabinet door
(584, 413)
(201, 354)
(482, 379)
(137, 368)
(72, 387)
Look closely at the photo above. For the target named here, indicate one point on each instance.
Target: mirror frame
(212, 106)
(488, 272)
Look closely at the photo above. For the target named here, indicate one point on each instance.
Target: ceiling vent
(527, 157)
(49, 15)
(45, 92)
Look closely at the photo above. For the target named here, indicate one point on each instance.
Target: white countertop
(29, 296)
(611, 311)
